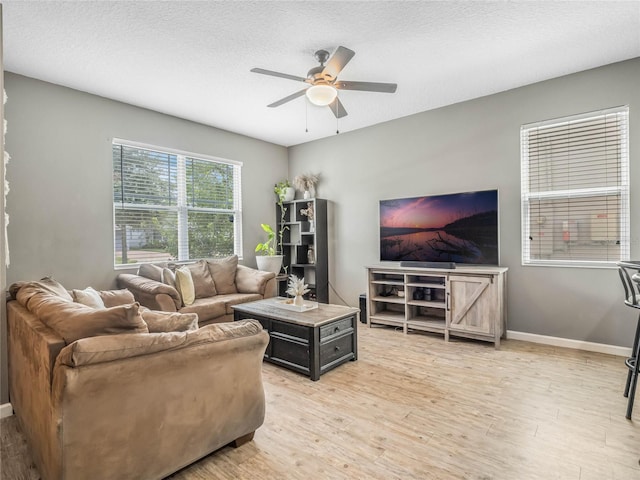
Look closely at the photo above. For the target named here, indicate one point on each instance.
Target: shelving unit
(466, 301)
(300, 237)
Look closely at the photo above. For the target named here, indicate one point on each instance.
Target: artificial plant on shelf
(306, 183)
(297, 288)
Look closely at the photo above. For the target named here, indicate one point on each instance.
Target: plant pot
(270, 263)
(289, 194)
(298, 301)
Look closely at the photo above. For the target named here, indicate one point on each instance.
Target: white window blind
(174, 206)
(575, 190)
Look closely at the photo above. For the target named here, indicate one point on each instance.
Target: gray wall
(60, 200)
(475, 145)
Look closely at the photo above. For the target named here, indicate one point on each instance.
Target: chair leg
(635, 372)
(634, 350)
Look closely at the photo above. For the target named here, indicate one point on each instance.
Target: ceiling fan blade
(337, 108)
(288, 99)
(366, 86)
(338, 61)
(278, 74)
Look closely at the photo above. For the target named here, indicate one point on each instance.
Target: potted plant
(269, 260)
(285, 191)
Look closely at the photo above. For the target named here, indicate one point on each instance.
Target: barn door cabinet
(463, 302)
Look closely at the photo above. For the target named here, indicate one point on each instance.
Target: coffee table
(310, 342)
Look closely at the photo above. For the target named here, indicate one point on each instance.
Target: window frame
(181, 208)
(622, 189)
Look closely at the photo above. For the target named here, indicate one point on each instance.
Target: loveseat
(116, 391)
(209, 287)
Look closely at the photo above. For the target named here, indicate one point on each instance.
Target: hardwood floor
(415, 407)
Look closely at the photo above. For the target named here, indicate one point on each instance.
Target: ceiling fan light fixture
(321, 95)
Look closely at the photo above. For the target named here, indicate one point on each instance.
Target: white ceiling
(192, 59)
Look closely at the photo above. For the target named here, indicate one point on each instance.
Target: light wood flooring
(415, 407)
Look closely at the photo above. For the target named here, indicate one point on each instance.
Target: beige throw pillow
(202, 281)
(168, 277)
(113, 298)
(184, 285)
(89, 297)
(223, 272)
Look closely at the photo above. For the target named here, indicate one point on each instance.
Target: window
(575, 190)
(173, 206)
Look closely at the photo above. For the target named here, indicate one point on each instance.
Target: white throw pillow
(89, 297)
(184, 285)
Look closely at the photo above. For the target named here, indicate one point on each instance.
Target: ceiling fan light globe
(321, 95)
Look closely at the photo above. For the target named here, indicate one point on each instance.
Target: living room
(60, 205)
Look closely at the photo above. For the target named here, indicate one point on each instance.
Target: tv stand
(467, 301)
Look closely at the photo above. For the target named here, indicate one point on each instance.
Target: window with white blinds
(575, 190)
(174, 206)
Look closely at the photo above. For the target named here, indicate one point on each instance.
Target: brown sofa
(218, 284)
(99, 398)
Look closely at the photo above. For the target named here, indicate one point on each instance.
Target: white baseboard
(569, 343)
(6, 410)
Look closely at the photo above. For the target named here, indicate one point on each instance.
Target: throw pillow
(249, 280)
(184, 285)
(113, 298)
(150, 271)
(168, 277)
(89, 297)
(202, 281)
(223, 271)
(161, 322)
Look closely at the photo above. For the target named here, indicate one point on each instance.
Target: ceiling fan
(324, 83)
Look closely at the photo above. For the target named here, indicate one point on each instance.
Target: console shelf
(465, 302)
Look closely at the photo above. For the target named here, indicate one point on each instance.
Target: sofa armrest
(209, 382)
(32, 350)
(250, 280)
(150, 293)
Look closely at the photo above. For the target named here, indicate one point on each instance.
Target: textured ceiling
(192, 59)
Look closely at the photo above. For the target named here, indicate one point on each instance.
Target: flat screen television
(459, 227)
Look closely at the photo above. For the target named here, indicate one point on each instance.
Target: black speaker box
(428, 264)
(363, 308)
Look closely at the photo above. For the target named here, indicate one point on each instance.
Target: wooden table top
(325, 313)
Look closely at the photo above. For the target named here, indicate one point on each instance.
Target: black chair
(630, 276)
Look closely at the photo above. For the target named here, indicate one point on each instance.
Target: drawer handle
(337, 348)
(336, 329)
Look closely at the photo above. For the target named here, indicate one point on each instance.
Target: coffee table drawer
(290, 329)
(336, 349)
(336, 327)
(290, 352)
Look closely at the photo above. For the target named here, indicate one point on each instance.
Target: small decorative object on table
(307, 183)
(297, 289)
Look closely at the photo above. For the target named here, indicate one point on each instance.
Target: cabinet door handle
(448, 301)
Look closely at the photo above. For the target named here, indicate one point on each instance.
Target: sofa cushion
(250, 280)
(113, 298)
(159, 322)
(105, 349)
(206, 308)
(184, 285)
(237, 298)
(151, 271)
(202, 282)
(89, 297)
(24, 291)
(73, 321)
(223, 271)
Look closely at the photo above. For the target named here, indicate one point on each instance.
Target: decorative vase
(306, 194)
(311, 255)
(298, 301)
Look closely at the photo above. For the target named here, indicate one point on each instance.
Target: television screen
(459, 227)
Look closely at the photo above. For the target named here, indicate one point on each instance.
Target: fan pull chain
(306, 116)
(337, 128)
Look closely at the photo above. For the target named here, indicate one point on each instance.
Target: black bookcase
(301, 237)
